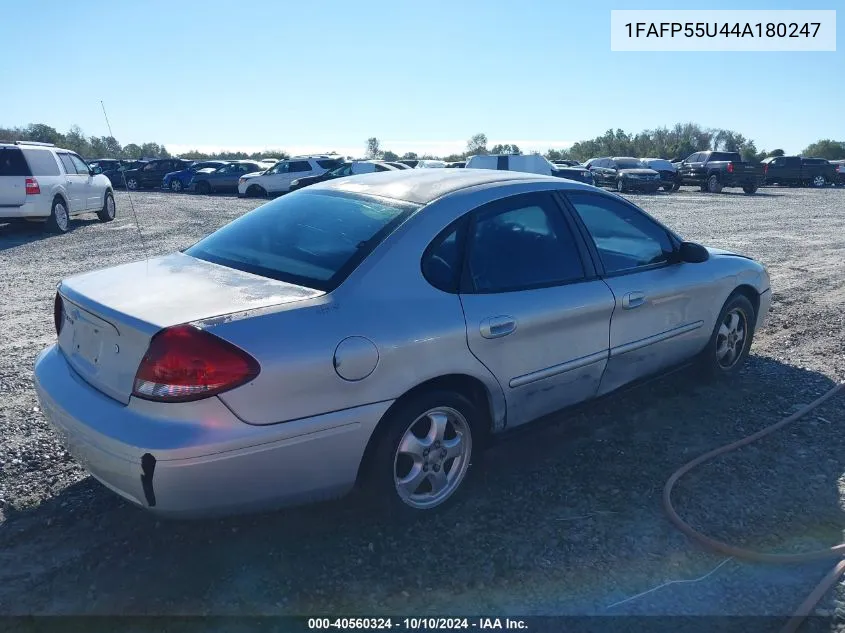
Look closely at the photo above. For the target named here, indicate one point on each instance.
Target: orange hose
(837, 551)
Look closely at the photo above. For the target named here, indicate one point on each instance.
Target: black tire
(620, 185)
(668, 188)
(703, 187)
(713, 184)
(132, 184)
(749, 189)
(256, 191)
(59, 220)
(203, 187)
(676, 186)
(819, 181)
(109, 210)
(379, 478)
(176, 185)
(709, 363)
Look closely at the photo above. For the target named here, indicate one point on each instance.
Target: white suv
(277, 179)
(40, 182)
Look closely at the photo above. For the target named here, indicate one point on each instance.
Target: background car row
(710, 171)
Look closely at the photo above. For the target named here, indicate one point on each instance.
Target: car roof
(424, 185)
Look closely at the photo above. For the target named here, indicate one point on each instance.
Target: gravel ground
(565, 519)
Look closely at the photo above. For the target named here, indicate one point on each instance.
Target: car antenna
(131, 204)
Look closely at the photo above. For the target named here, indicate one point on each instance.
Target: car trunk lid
(110, 315)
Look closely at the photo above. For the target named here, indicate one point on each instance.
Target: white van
(531, 163)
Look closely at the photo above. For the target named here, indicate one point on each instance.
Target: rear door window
(502, 163)
(12, 162)
(313, 239)
(520, 243)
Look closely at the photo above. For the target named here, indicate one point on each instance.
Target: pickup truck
(712, 171)
(796, 170)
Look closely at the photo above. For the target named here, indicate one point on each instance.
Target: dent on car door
(536, 315)
(663, 310)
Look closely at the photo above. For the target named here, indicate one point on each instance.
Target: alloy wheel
(730, 339)
(432, 458)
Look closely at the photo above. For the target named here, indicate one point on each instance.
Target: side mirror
(692, 253)
(92, 172)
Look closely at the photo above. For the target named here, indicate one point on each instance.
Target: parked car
(430, 164)
(40, 182)
(566, 163)
(352, 168)
(412, 163)
(624, 173)
(712, 171)
(223, 178)
(458, 164)
(839, 166)
(529, 163)
(113, 169)
(151, 173)
(668, 172)
(796, 170)
(277, 179)
(285, 357)
(180, 180)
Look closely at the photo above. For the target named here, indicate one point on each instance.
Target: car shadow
(563, 518)
(18, 233)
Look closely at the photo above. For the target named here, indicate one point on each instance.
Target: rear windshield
(629, 164)
(12, 162)
(729, 156)
(313, 239)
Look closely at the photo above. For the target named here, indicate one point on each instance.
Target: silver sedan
(377, 329)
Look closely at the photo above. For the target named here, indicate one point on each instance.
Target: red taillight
(186, 363)
(730, 168)
(58, 313)
(32, 188)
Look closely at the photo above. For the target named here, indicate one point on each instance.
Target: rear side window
(299, 165)
(731, 156)
(314, 239)
(42, 162)
(12, 162)
(67, 163)
(329, 164)
(441, 264)
(502, 163)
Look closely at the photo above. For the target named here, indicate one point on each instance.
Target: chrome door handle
(494, 327)
(633, 300)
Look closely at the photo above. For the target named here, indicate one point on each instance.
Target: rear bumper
(642, 185)
(36, 208)
(205, 461)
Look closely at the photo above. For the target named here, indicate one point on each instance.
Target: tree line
(676, 142)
